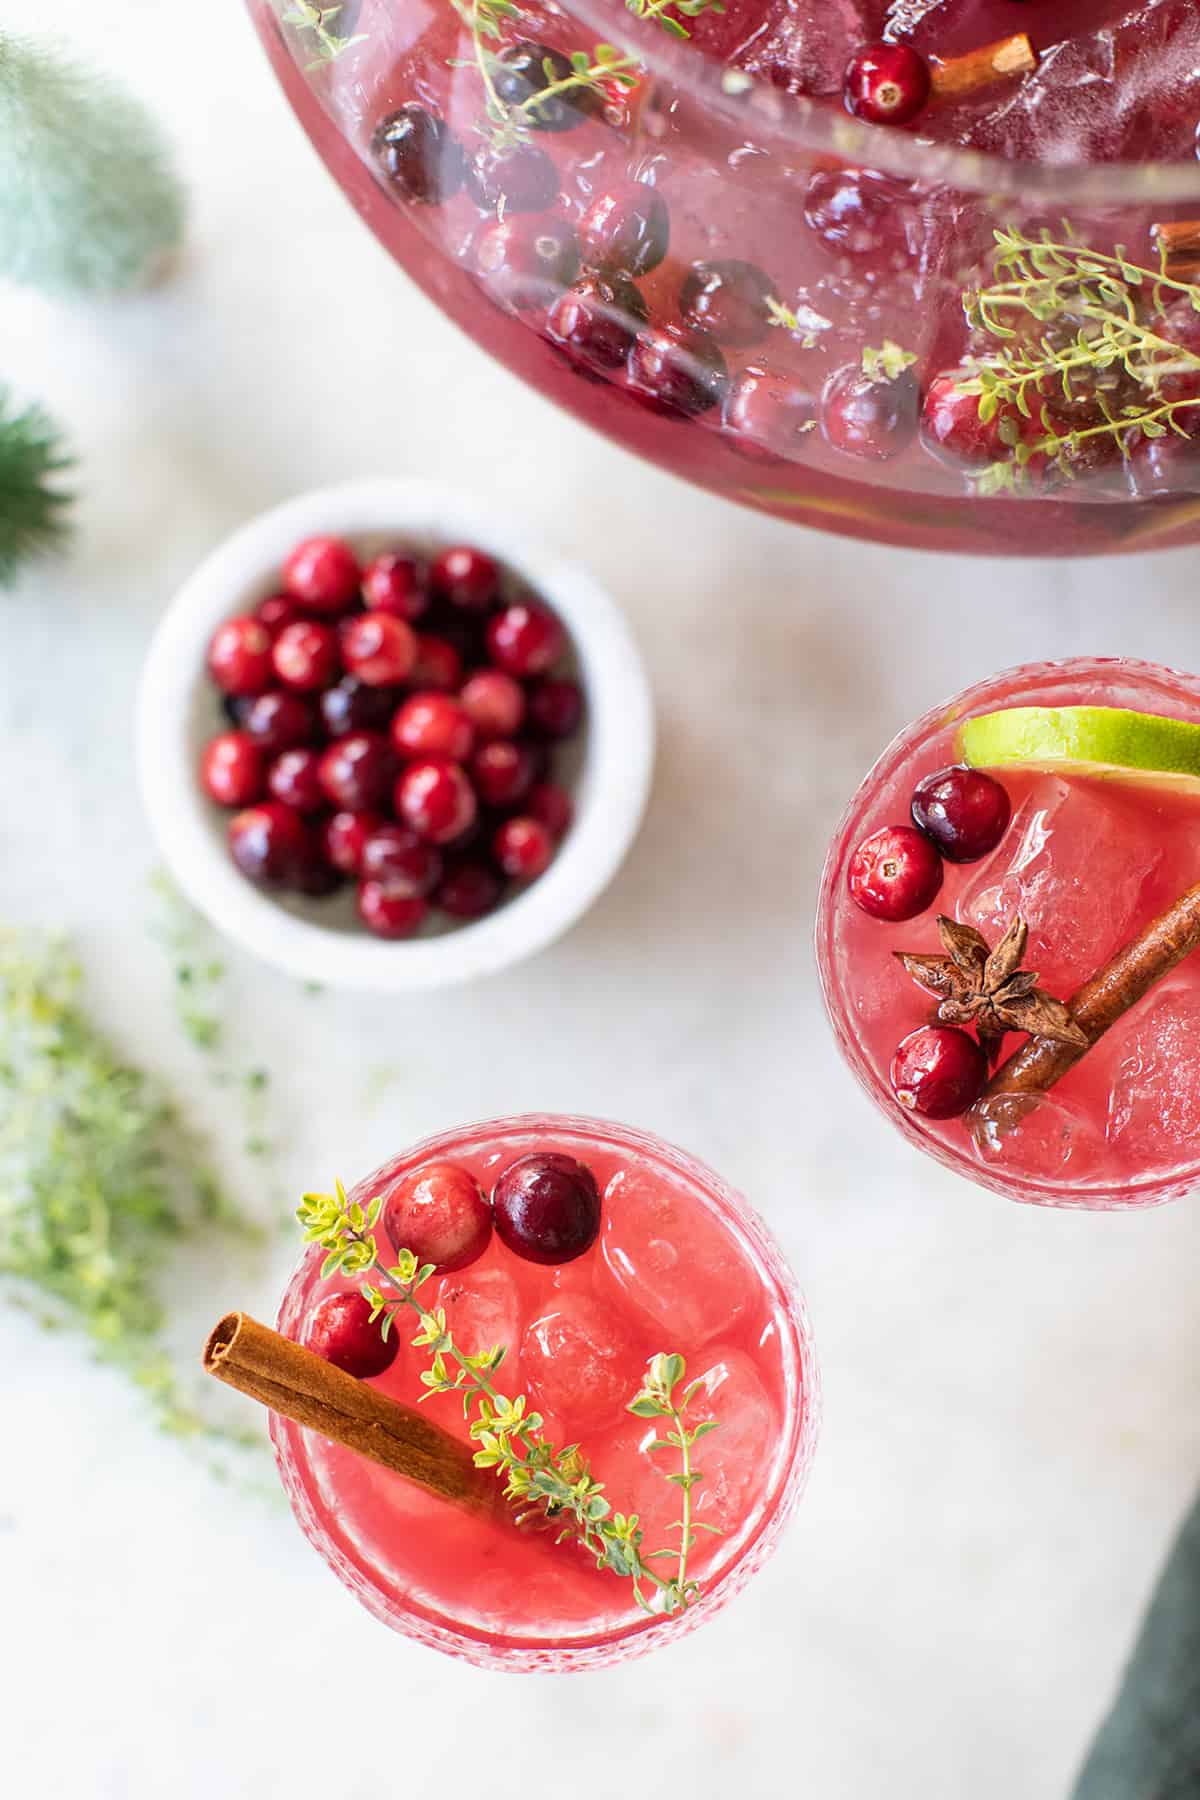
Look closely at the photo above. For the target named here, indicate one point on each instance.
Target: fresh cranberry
(276, 611)
(239, 656)
(626, 227)
(494, 703)
(322, 575)
(596, 322)
(305, 656)
(315, 875)
(1165, 465)
(888, 84)
(353, 706)
(938, 1071)
(344, 838)
(523, 848)
(857, 212)
(527, 260)
(895, 873)
(951, 428)
(390, 914)
(436, 800)
(465, 577)
(293, 778)
(551, 806)
(547, 1208)
(870, 418)
(555, 709)
(525, 639)
(232, 769)
(768, 417)
(433, 725)
(468, 890)
(270, 844)
(396, 583)
(964, 811)
(438, 665)
(279, 721)
(379, 648)
(439, 1212)
(399, 859)
(524, 69)
(419, 154)
(728, 298)
(676, 371)
(502, 773)
(341, 1330)
(517, 180)
(357, 772)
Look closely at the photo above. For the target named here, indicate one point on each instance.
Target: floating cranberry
(494, 703)
(524, 69)
(438, 664)
(239, 656)
(520, 179)
(547, 1208)
(1165, 465)
(233, 769)
(279, 721)
(895, 873)
(769, 417)
(676, 371)
(353, 706)
(396, 583)
(379, 648)
(357, 772)
(270, 844)
(293, 778)
(341, 1330)
(525, 639)
(502, 773)
(436, 800)
(596, 322)
(468, 890)
(555, 709)
(869, 417)
(857, 212)
(527, 260)
(626, 227)
(938, 1071)
(419, 154)
(951, 428)
(888, 84)
(322, 575)
(466, 578)
(523, 848)
(276, 611)
(399, 859)
(344, 838)
(390, 914)
(433, 725)
(728, 298)
(439, 1212)
(964, 811)
(305, 656)
(551, 806)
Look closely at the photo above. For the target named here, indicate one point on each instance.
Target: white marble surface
(1011, 1396)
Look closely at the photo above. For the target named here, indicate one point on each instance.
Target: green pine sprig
(33, 505)
(543, 1481)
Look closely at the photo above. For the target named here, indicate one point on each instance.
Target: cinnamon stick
(962, 75)
(303, 1387)
(1013, 1090)
(1178, 242)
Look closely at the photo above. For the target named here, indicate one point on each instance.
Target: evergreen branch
(32, 507)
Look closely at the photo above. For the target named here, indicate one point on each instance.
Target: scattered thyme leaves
(887, 363)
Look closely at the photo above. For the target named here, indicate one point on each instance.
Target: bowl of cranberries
(384, 742)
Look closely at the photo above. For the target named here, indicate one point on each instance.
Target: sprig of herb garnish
(887, 363)
(510, 123)
(542, 1480)
(318, 19)
(663, 12)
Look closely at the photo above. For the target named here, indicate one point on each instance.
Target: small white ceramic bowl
(178, 710)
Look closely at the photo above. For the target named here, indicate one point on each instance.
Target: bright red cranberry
(357, 772)
(294, 779)
(951, 428)
(494, 703)
(895, 873)
(857, 212)
(547, 1208)
(517, 180)
(276, 611)
(436, 800)
(379, 648)
(527, 259)
(728, 299)
(390, 914)
(887, 84)
(769, 417)
(524, 69)
(676, 371)
(396, 583)
(233, 769)
(465, 577)
(873, 419)
(551, 806)
(439, 664)
(353, 706)
(322, 575)
(344, 838)
(525, 639)
(555, 709)
(626, 227)
(239, 656)
(523, 848)
(468, 890)
(439, 1213)
(938, 1071)
(270, 844)
(306, 657)
(340, 1330)
(502, 773)
(964, 811)
(399, 859)
(279, 721)
(433, 725)
(419, 154)
(596, 322)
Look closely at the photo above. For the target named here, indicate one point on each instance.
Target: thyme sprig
(317, 19)
(663, 12)
(510, 122)
(545, 1482)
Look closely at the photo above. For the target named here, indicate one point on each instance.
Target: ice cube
(1044, 1137)
(801, 50)
(482, 1307)
(1154, 1100)
(675, 1265)
(580, 1363)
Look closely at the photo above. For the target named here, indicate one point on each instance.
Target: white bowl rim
(612, 798)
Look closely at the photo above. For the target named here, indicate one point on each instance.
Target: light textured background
(1011, 1426)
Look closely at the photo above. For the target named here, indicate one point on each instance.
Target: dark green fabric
(1149, 1746)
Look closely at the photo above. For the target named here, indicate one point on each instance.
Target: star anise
(989, 988)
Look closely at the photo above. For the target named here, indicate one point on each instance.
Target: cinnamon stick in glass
(960, 75)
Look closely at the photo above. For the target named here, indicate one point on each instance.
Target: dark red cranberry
(523, 848)
(868, 417)
(357, 772)
(439, 1213)
(316, 876)
(379, 648)
(525, 639)
(938, 1071)
(857, 212)
(527, 260)
(626, 227)
(344, 837)
(524, 69)
(351, 705)
(390, 914)
(677, 371)
(305, 656)
(270, 844)
(551, 806)
(887, 84)
(340, 1329)
(233, 769)
(502, 773)
(728, 299)
(895, 873)
(276, 611)
(951, 428)
(555, 709)
(419, 154)
(399, 859)
(547, 1208)
(517, 180)
(964, 811)
(279, 721)
(438, 665)
(468, 890)
(769, 417)
(1165, 465)
(322, 575)
(239, 656)
(494, 703)
(436, 800)
(293, 778)
(433, 724)
(396, 583)
(465, 577)
(596, 322)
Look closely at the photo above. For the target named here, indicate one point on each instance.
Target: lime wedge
(1104, 741)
